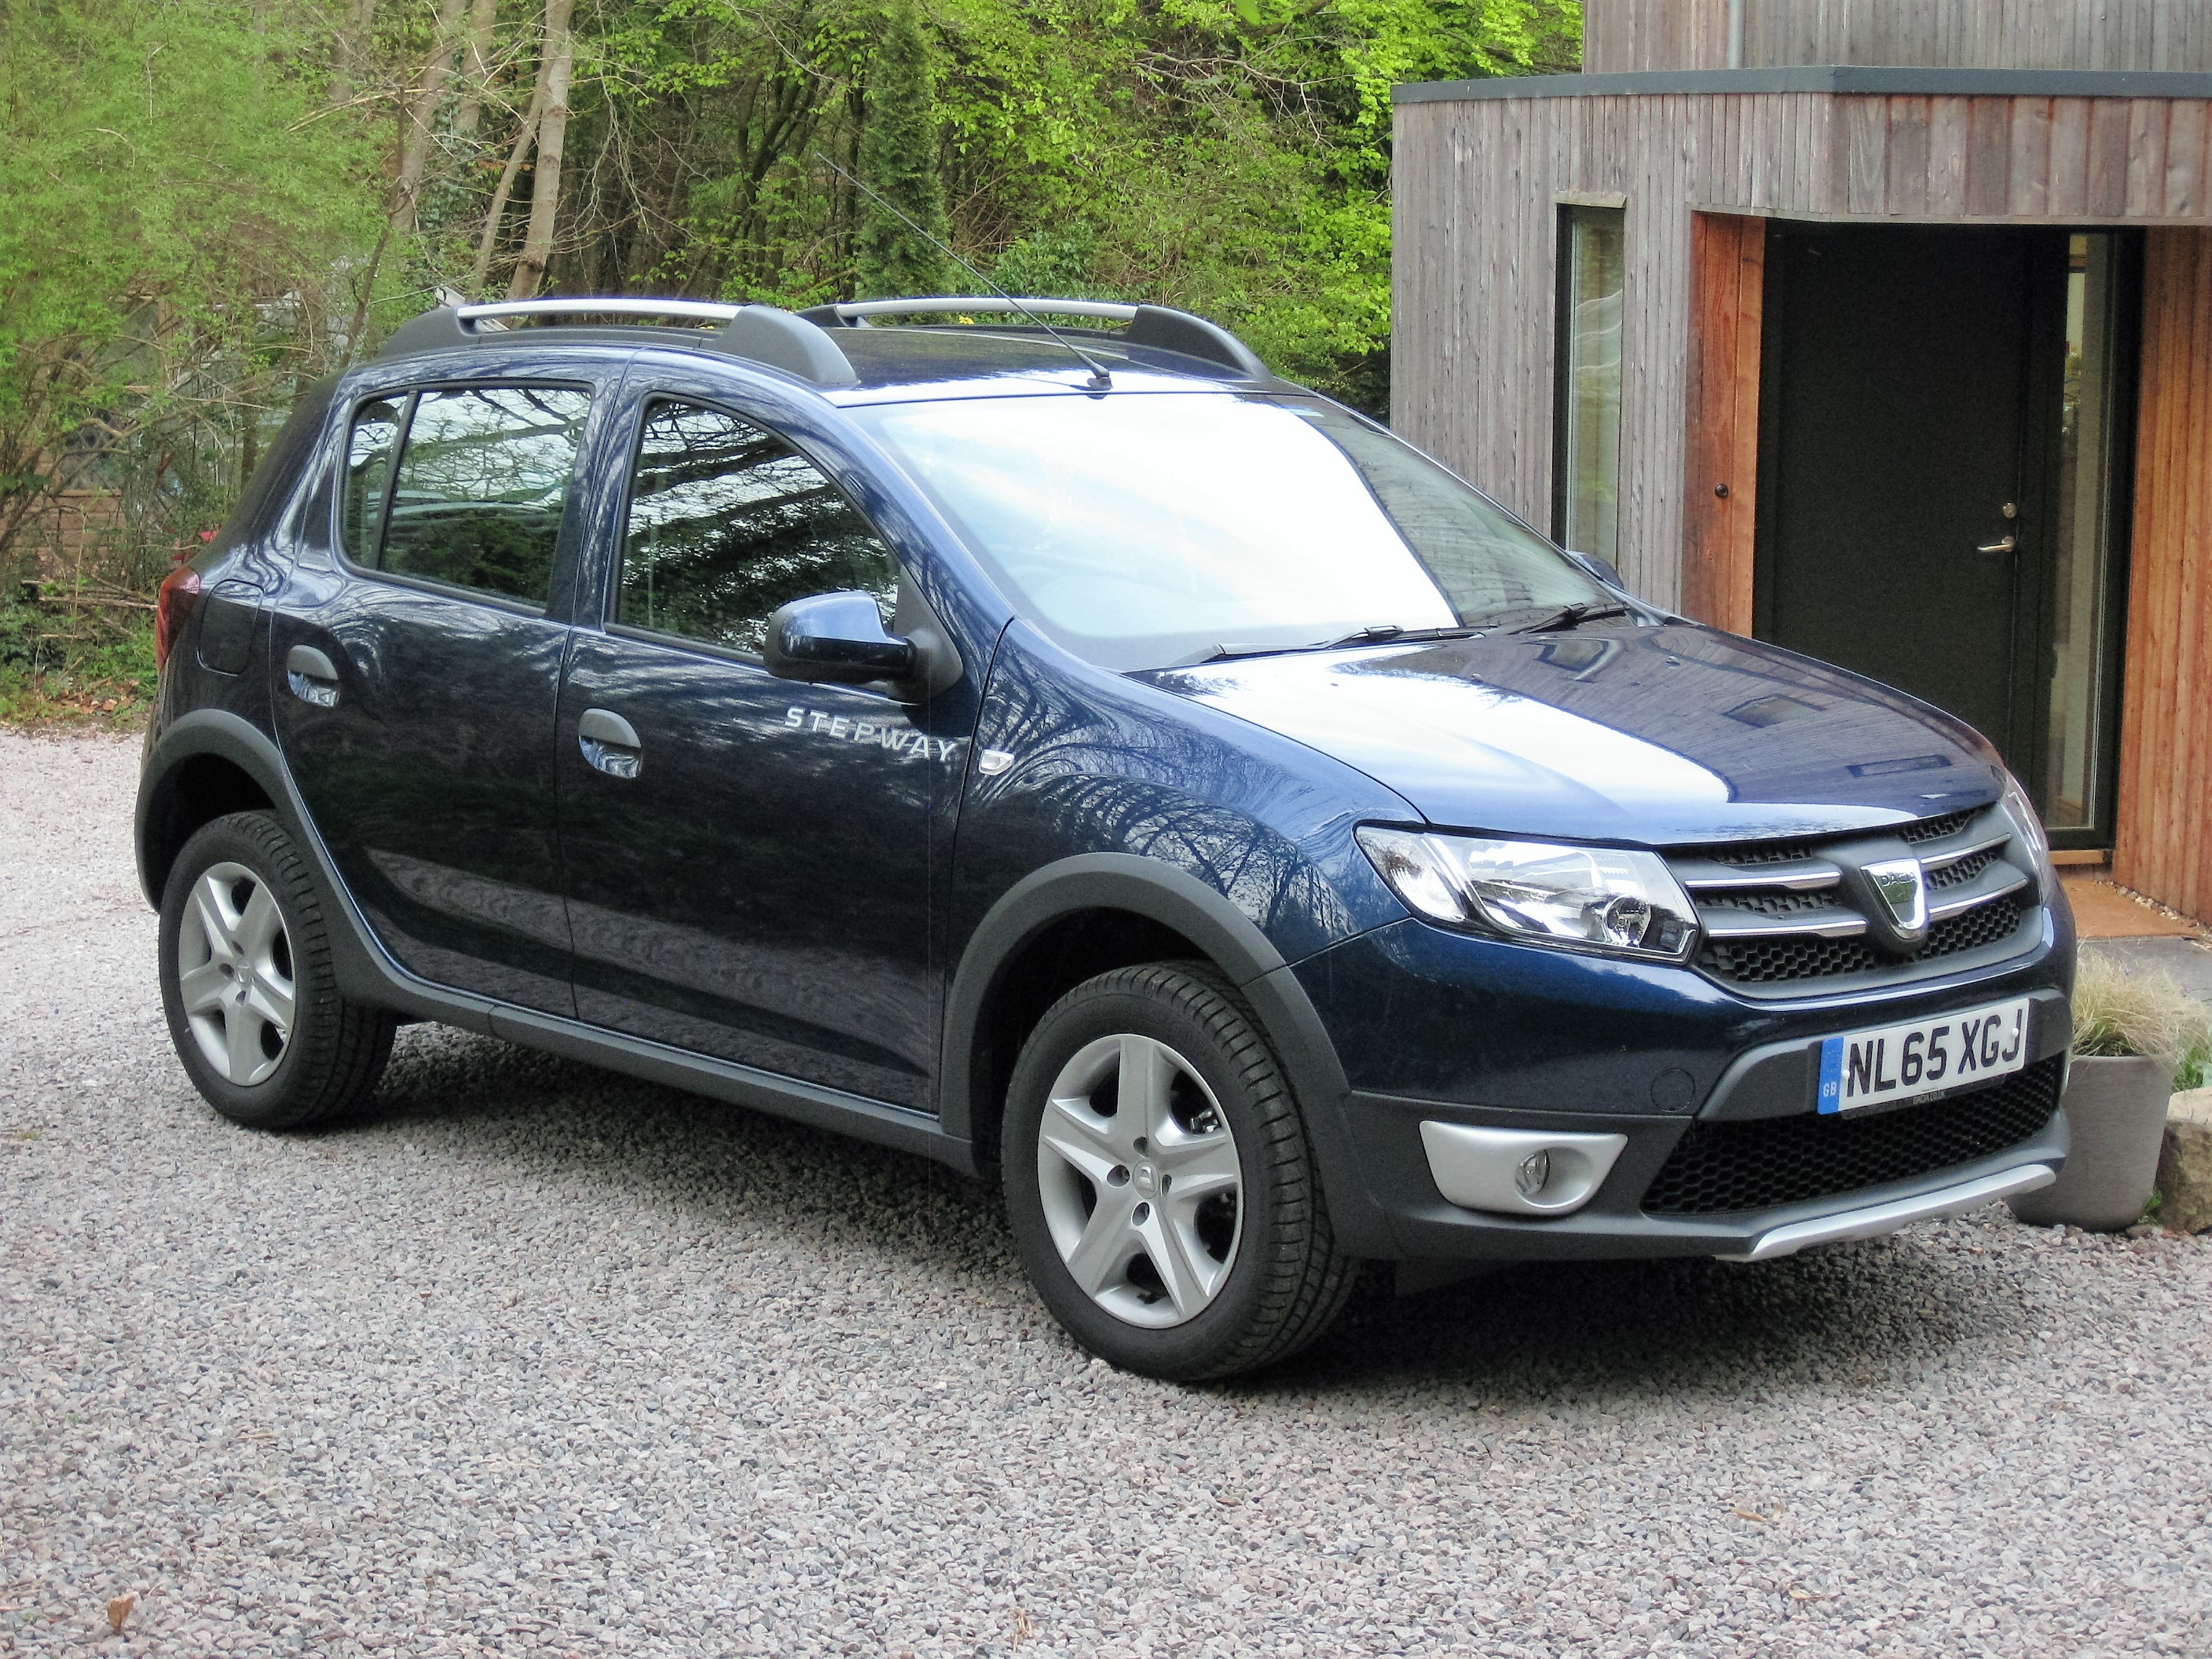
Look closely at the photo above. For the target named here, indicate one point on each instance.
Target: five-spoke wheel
(1158, 1180)
(248, 983)
(235, 973)
(1137, 1171)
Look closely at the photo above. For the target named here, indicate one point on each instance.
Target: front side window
(1587, 492)
(1144, 530)
(481, 486)
(727, 523)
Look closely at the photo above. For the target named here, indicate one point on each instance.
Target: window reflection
(727, 523)
(484, 480)
(1590, 383)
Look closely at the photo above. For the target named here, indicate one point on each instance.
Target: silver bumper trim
(1879, 1218)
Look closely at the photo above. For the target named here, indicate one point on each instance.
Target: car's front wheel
(1159, 1183)
(248, 985)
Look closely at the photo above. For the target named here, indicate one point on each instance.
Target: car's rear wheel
(1159, 1183)
(248, 987)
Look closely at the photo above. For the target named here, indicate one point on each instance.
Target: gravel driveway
(542, 1361)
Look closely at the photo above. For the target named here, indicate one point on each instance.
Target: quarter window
(728, 522)
(482, 482)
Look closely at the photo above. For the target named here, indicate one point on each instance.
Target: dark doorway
(1934, 502)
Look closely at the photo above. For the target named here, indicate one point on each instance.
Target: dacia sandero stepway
(1032, 735)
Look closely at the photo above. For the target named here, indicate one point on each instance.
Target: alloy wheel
(234, 974)
(1139, 1177)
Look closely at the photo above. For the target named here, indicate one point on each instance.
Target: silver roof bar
(1156, 327)
(760, 334)
(706, 311)
(1105, 311)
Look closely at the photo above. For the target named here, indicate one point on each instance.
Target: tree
(556, 64)
(898, 161)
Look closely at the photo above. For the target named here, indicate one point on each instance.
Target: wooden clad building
(1879, 328)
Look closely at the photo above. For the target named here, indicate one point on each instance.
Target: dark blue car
(1087, 760)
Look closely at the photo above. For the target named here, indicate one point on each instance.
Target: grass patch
(76, 657)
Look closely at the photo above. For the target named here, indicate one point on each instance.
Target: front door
(1927, 458)
(748, 857)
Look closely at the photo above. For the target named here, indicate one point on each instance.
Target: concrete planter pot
(2116, 1119)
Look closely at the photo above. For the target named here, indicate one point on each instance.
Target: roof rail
(1149, 325)
(758, 333)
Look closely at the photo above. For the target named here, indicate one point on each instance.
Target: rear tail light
(172, 608)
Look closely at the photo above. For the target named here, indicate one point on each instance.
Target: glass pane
(2074, 766)
(1141, 531)
(1590, 348)
(727, 523)
(369, 448)
(483, 483)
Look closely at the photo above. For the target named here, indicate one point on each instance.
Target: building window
(1586, 483)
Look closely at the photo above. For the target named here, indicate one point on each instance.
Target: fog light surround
(1526, 1172)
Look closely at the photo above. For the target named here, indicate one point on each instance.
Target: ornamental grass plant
(2119, 1012)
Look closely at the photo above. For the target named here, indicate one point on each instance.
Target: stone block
(2184, 1163)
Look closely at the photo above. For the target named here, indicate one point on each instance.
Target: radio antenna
(1100, 377)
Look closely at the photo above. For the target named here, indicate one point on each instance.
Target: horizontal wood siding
(1720, 492)
(1626, 35)
(2164, 822)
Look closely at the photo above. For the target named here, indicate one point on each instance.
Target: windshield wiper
(1570, 616)
(1373, 633)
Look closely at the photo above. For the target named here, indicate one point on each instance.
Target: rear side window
(479, 490)
(728, 522)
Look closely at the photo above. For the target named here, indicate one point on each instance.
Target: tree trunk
(422, 115)
(354, 50)
(475, 68)
(525, 136)
(554, 70)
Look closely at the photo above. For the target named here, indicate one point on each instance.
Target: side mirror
(837, 638)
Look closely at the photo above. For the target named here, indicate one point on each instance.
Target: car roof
(848, 355)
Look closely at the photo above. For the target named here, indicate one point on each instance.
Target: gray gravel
(540, 1361)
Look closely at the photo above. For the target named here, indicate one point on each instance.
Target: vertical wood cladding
(2165, 845)
(1624, 35)
(1727, 279)
(1478, 182)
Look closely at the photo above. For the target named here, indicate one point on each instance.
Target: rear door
(749, 859)
(417, 657)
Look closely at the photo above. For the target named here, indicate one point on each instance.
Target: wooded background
(206, 203)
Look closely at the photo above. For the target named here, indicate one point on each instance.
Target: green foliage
(171, 204)
(897, 250)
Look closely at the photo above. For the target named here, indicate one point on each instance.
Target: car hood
(1671, 734)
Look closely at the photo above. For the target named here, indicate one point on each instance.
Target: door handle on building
(2008, 545)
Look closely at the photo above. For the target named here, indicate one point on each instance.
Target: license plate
(1927, 1057)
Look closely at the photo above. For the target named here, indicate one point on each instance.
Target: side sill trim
(810, 1103)
(1879, 1218)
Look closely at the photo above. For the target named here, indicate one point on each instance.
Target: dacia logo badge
(1902, 886)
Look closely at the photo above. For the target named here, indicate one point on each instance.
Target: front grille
(1719, 1168)
(1776, 914)
(1935, 829)
(1958, 874)
(1803, 956)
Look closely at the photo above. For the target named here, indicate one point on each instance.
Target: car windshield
(1142, 530)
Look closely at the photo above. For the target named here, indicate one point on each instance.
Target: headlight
(1592, 898)
(2029, 822)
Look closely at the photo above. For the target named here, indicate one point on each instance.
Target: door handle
(2005, 545)
(313, 677)
(609, 743)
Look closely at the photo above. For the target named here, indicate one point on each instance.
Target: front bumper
(1443, 1029)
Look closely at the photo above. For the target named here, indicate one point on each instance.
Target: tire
(1248, 1271)
(248, 985)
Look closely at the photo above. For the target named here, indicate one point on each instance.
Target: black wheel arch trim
(1172, 896)
(369, 974)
